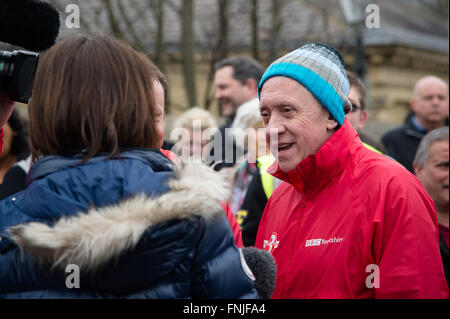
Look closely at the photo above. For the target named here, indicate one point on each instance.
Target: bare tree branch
(255, 29)
(277, 24)
(174, 7)
(157, 9)
(325, 20)
(137, 43)
(117, 32)
(219, 48)
(187, 50)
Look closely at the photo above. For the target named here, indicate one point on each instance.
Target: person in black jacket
(429, 107)
(431, 168)
(105, 213)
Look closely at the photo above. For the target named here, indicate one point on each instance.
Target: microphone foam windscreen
(31, 24)
(264, 268)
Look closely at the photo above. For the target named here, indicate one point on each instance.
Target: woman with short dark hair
(102, 201)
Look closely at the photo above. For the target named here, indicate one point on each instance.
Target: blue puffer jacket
(137, 226)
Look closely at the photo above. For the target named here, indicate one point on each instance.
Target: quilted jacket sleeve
(219, 267)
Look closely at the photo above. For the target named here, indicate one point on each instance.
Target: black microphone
(31, 24)
(264, 268)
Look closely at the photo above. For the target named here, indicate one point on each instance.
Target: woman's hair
(93, 95)
(19, 144)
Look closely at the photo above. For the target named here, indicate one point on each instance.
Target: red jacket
(351, 223)
(237, 232)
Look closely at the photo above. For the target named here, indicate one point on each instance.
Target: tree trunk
(255, 43)
(117, 32)
(187, 47)
(220, 48)
(137, 43)
(158, 10)
(276, 28)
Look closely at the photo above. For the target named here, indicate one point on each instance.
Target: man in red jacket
(346, 222)
(6, 108)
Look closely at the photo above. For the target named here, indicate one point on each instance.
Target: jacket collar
(316, 171)
(53, 163)
(414, 129)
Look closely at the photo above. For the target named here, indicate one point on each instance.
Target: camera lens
(5, 65)
(17, 70)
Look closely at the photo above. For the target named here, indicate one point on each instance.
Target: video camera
(33, 25)
(17, 71)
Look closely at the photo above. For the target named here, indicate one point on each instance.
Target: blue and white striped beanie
(320, 69)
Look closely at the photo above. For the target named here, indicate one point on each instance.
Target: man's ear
(412, 104)
(331, 123)
(418, 170)
(251, 85)
(362, 119)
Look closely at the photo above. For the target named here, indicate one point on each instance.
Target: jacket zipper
(294, 242)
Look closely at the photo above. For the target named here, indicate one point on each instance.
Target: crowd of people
(291, 173)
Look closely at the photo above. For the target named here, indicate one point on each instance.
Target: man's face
(292, 114)
(434, 176)
(430, 102)
(229, 92)
(357, 116)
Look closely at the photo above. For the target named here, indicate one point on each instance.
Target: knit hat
(320, 69)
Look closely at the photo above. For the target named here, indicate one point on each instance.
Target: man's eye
(286, 109)
(442, 165)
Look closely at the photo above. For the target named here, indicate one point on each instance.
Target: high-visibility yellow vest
(371, 148)
(263, 163)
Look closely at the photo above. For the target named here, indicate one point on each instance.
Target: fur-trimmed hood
(101, 235)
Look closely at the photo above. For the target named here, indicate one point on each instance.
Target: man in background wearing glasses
(358, 115)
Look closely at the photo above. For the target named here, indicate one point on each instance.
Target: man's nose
(218, 94)
(436, 100)
(274, 127)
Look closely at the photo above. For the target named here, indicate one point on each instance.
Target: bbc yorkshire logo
(321, 241)
(313, 242)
